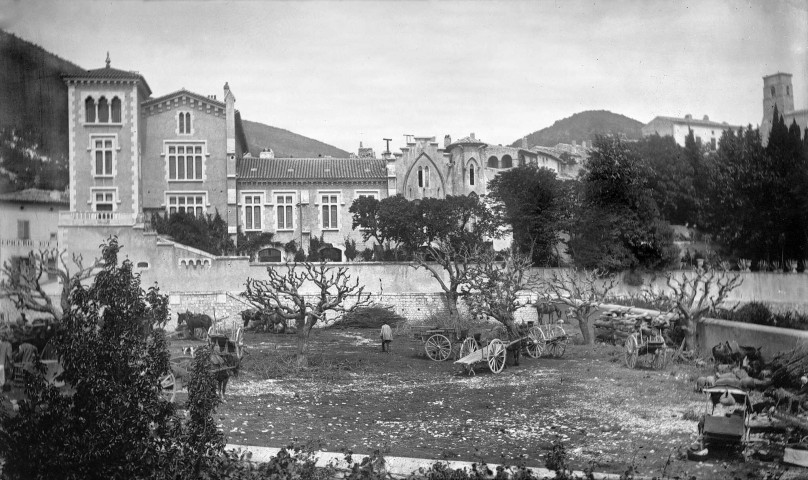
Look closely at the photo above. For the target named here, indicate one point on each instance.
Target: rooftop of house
(285, 169)
(689, 120)
(109, 73)
(184, 92)
(36, 195)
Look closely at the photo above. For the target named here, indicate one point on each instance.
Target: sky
(349, 71)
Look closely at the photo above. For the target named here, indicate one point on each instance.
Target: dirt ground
(405, 404)
(354, 397)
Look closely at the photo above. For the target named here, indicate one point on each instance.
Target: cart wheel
(496, 355)
(468, 346)
(238, 340)
(438, 347)
(536, 342)
(168, 384)
(630, 351)
(556, 348)
(660, 358)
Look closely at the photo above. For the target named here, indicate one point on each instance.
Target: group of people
(25, 355)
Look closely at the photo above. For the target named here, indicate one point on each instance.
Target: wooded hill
(285, 143)
(584, 126)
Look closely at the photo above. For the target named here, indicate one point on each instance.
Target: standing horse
(193, 321)
(263, 320)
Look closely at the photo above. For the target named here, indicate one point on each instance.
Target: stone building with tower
(778, 91)
(133, 155)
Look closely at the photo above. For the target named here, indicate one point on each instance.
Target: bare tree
(582, 291)
(284, 295)
(443, 256)
(497, 289)
(694, 295)
(23, 281)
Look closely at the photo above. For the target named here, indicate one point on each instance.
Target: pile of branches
(373, 316)
(617, 324)
(789, 367)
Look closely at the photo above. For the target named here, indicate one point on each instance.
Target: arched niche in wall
(270, 254)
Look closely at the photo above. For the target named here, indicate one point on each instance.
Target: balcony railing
(73, 219)
(28, 244)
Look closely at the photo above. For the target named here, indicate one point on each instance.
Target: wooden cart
(648, 343)
(495, 353)
(439, 343)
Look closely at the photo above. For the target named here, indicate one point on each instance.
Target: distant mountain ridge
(584, 126)
(285, 143)
(33, 97)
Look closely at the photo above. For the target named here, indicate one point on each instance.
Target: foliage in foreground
(112, 421)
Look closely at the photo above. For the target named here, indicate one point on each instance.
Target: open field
(355, 397)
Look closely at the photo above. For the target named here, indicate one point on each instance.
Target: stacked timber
(790, 367)
(618, 322)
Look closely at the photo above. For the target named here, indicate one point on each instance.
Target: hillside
(584, 126)
(33, 97)
(285, 143)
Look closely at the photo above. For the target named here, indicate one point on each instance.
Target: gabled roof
(329, 169)
(465, 141)
(183, 92)
(109, 73)
(36, 195)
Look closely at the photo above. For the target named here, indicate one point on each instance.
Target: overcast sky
(344, 72)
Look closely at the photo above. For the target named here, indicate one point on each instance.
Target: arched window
(89, 110)
(116, 110)
(507, 161)
(420, 177)
(182, 122)
(493, 162)
(103, 110)
(772, 90)
(471, 175)
(426, 176)
(270, 255)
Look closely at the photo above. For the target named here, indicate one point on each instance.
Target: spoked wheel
(536, 342)
(660, 359)
(630, 350)
(468, 346)
(238, 341)
(557, 348)
(168, 384)
(438, 347)
(496, 355)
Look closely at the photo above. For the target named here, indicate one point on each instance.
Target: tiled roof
(694, 121)
(183, 91)
(312, 169)
(110, 73)
(36, 195)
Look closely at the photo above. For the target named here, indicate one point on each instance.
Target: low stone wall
(772, 340)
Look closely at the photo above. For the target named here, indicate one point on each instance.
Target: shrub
(633, 278)
(115, 422)
(208, 232)
(370, 317)
(350, 249)
(367, 254)
(251, 242)
(753, 312)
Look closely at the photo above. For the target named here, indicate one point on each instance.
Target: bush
(114, 423)
(370, 317)
(208, 233)
(760, 314)
(367, 254)
(350, 249)
(753, 312)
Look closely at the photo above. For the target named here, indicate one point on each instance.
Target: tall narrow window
(116, 110)
(103, 110)
(471, 175)
(426, 177)
(420, 177)
(23, 230)
(89, 110)
(285, 217)
(182, 122)
(772, 90)
(102, 148)
(330, 205)
(252, 212)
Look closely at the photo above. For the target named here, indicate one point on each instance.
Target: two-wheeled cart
(439, 343)
(495, 353)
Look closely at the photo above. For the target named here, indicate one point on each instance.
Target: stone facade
(777, 90)
(705, 130)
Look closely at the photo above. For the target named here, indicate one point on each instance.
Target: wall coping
(792, 332)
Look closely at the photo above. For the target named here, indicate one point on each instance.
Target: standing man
(387, 337)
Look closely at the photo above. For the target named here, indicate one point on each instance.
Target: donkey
(193, 321)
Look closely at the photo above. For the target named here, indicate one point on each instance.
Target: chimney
(524, 143)
(230, 119)
(471, 135)
(447, 140)
(688, 117)
(266, 153)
